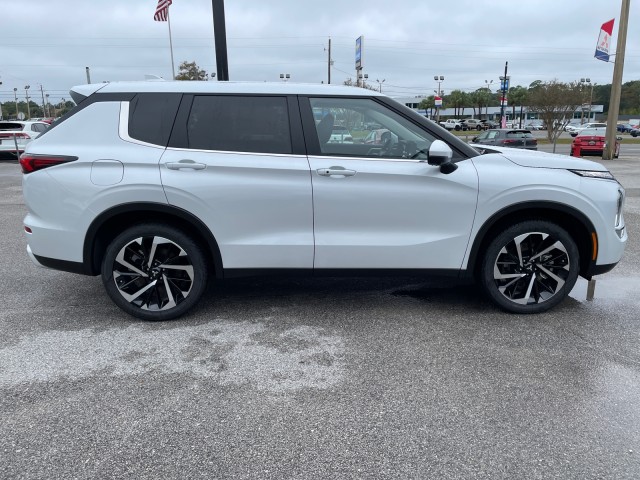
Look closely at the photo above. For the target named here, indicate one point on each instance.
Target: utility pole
(616, 84)
(15, 95)
(329, 64)
(26, 93)
(44, 109)
(88, 76)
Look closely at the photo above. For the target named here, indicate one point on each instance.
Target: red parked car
(591, 141)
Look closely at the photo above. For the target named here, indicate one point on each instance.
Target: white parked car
(453, 124)
(578, 128)
(16, 134)
(158, 186)
(340, 134)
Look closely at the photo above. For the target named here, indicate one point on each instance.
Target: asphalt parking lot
(317, 379)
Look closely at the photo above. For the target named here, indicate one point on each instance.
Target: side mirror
(474, 139)
(440, 154)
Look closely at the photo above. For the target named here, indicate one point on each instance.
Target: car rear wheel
(530, 267)
(154, 271)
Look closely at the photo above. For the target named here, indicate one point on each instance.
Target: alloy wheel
(531, 268)
(153, 273)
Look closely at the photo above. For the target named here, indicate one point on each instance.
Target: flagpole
(173, 68)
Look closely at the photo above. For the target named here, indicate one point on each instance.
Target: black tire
(537, 278)
(154, 272)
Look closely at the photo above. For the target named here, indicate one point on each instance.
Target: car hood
(537, 159)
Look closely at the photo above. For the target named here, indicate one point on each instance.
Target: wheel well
(110, 225)
(576, 228)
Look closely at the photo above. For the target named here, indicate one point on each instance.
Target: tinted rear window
(151, 116)
(10, 126)
(519, 135)
(239, 124)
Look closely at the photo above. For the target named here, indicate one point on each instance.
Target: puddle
(609, 287)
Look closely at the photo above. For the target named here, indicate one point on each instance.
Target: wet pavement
(316, 379)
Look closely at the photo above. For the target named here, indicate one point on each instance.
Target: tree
(481, 98)
(350, 83)
(555, 102)
(518, 96)
(190, 71)
(428, 103)
(457, 99)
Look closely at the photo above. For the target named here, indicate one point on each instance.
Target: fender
(539, 209)
(142, 210)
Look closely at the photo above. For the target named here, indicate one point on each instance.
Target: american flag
(162, 10)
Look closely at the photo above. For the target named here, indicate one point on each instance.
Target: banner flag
(604, 40)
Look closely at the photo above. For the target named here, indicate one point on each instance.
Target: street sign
(438, 101)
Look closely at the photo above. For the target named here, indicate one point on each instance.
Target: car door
(238, 163)
(382, 206)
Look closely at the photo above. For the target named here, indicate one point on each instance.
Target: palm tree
(518, 96)
(457, 99)
(481, 97)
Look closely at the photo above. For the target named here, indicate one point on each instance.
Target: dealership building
(585, 113)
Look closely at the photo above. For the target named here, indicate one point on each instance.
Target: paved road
(334, 378)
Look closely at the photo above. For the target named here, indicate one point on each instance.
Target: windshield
(592, 132)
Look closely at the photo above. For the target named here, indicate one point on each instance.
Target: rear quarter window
(151, 116)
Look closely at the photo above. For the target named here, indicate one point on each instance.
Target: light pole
(487, 85)
(504, 86)
(587, 82)
(15, 95)
(439, 79)
(48, 106)
(285, 76)
(380, 82)
(361, 79)
(26, 93)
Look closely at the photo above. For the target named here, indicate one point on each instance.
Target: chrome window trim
(375, 159)
(123, 128)
(234, 152)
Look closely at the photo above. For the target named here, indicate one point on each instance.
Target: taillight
(31, 163)
(16, 135)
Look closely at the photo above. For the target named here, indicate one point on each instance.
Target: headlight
(594, 174)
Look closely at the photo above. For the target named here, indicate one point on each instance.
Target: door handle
(335, 171)
(185, 164)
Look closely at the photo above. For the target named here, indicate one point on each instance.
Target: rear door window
(258, 124)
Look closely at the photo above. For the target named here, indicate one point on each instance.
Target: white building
(493, 113)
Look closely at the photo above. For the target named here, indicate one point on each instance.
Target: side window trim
(123, 127)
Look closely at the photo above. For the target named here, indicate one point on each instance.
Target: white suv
(159, 185)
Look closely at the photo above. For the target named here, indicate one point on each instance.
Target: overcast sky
(406, 42)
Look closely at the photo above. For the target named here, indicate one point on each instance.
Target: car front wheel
(154, 271)
(530, 267)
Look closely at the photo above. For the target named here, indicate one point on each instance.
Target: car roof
(159, 86)
(510, 130)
